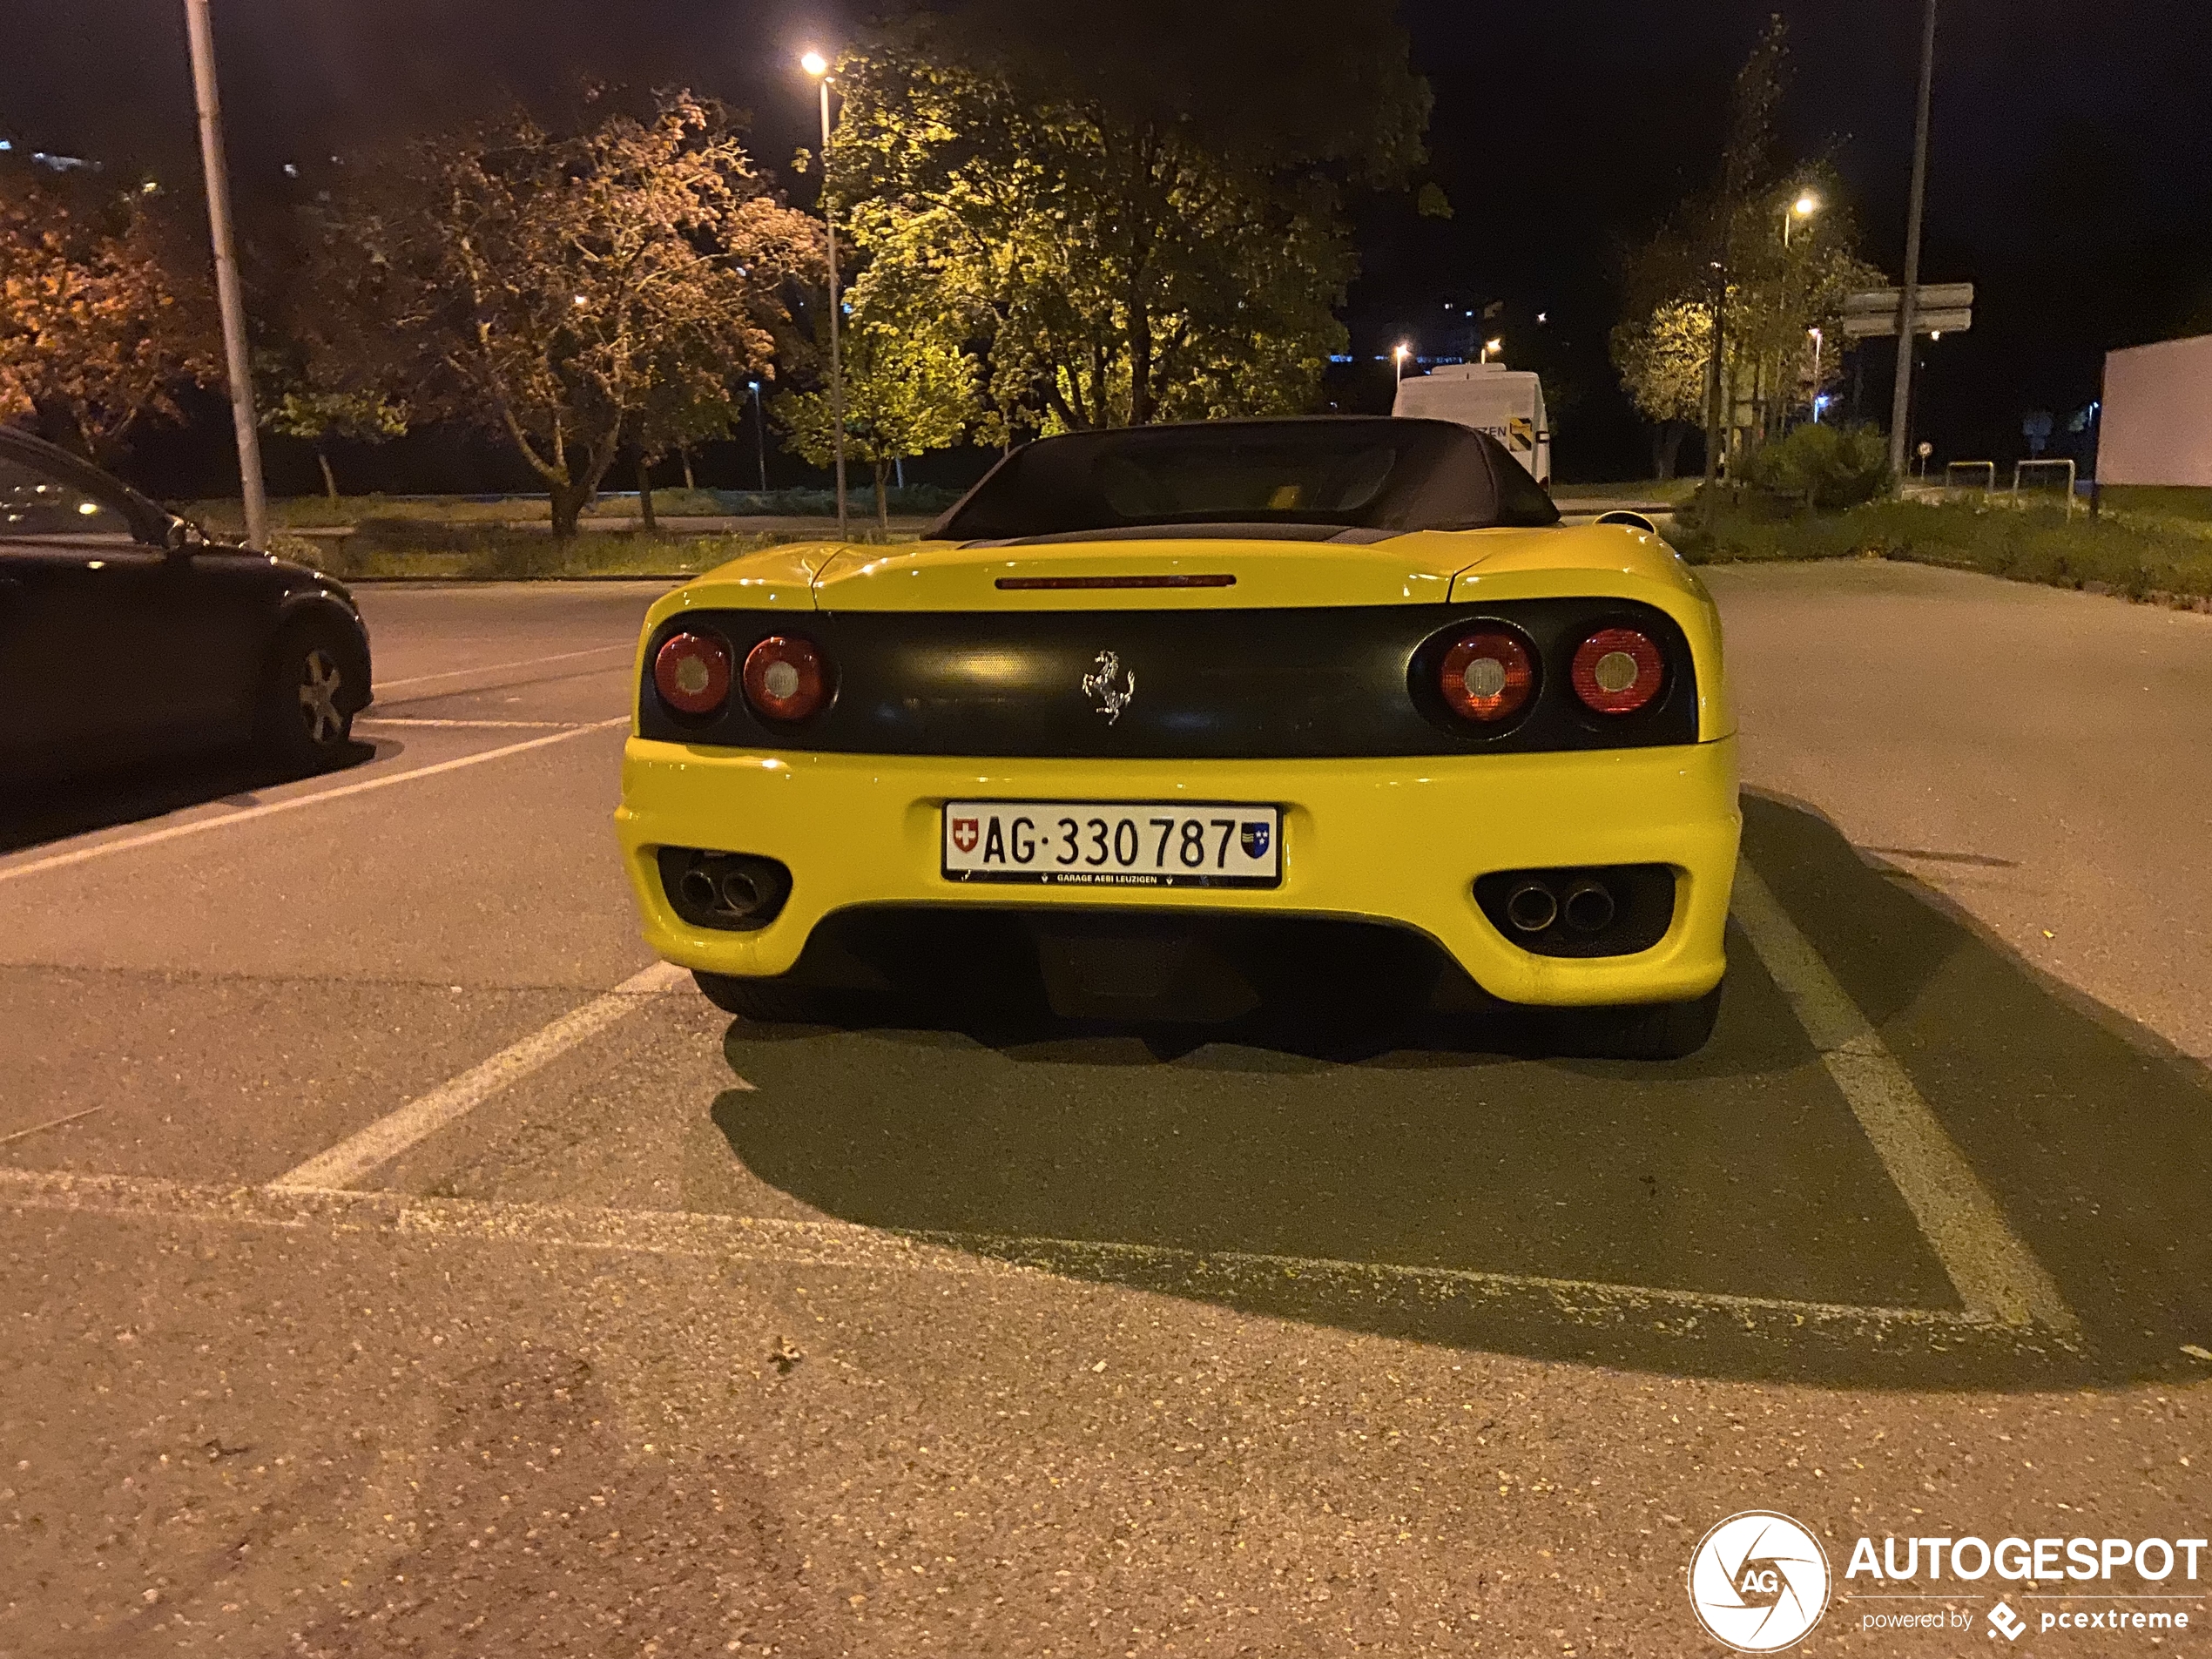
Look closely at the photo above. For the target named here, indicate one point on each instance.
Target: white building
(2155, 426)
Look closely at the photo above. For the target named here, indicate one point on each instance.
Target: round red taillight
(785, 677)
(691, 673)
(1617, 670)
(1487, 676)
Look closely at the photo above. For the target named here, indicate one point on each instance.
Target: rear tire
(774, 1001)
(1644, 1031)
(309, 698)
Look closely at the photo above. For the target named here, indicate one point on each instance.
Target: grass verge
(320, 512)
(2142, 556)
(397, 550)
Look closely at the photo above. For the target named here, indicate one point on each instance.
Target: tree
(320, 417)
(1128, 230)
(904, 396)
(1776, 278)
(1661, 355)
(102, 317)
(559, 287)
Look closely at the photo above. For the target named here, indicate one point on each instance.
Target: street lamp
(229, 294)
(1805, 207)
(759, 433)
(816, 66)
(1399, 355)
(1489, 346)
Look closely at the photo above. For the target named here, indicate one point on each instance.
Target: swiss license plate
(1114, 844)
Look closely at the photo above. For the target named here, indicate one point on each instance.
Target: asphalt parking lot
(399, 1263)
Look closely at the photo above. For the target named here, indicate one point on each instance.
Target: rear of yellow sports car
(1507, 747)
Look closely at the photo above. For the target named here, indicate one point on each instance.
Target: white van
(1507, 403)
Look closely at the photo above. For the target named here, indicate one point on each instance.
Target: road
(398, 1264)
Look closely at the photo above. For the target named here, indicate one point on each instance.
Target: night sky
(2071, 172)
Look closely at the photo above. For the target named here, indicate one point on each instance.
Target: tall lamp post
(1909, 310)
(1805, 207)
(816, 66)
(228, 294)
(759, 433)
(1398, 355)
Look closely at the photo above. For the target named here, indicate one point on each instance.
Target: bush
(1822, 468)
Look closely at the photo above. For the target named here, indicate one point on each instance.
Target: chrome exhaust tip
(1531, 907)
(1590, 907)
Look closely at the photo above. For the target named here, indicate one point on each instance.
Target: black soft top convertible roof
(1325, 477)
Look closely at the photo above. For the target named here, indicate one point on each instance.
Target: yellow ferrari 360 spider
(1161, 719)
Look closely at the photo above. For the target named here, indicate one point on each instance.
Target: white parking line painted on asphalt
(846, 1245)
(1995, 1274)
(471, 725)
(359, 1155)
(383, 686)
(248, 814)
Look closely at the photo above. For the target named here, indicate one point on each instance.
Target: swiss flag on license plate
(964, 834)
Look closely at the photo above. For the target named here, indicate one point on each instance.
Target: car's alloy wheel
(307, 704)
(320, 681)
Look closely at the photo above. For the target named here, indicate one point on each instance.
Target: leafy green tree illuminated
(1130, 228)
(905, 396)
(319, 417)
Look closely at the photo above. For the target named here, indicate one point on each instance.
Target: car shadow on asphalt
(1451, 1187)
(37, 813)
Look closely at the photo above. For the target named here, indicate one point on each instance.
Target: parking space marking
(1691, 1315)
(246, 814)
(383, 686)
(1994, 1272)
(359, 1155)
(51, 1123)
(471, 725)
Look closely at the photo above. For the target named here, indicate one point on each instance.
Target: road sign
(1943, 309)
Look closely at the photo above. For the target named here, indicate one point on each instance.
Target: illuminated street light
(1805, 207)
(816, 66)
(1489, 346)
(1399, 355)
(229, 291)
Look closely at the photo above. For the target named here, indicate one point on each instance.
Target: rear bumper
(1397, 840)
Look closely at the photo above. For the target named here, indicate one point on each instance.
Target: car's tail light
(1487, 676)
(691, 673)
(1617, 670)
(785, 677)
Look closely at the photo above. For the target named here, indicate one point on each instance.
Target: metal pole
(226, 285)
(1713, 436)
(1908, 314)
(760, 436)
(837, 370)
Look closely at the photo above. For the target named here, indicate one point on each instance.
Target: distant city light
(813, 62)
(291, 170)
(581, 300)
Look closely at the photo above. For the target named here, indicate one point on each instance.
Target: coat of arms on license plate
(964, 834)
(1253, 839)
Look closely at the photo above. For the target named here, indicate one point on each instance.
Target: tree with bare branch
(563, 287)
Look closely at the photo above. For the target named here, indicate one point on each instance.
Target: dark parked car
(126, 632)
